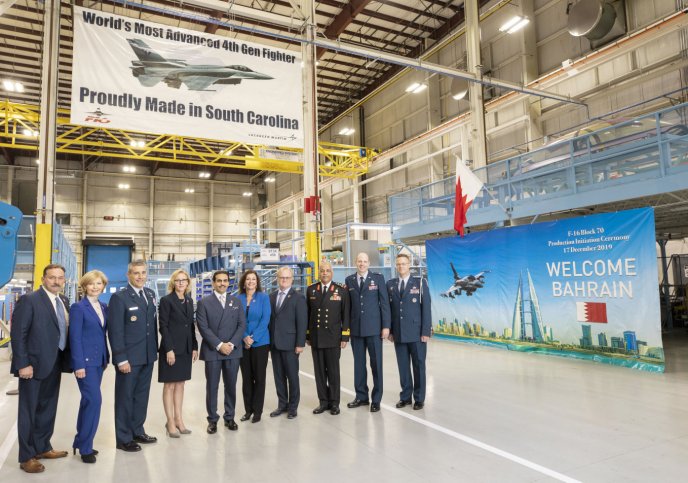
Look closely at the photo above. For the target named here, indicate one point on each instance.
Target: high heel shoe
(183, 431)
(171, 435)
(88, 458)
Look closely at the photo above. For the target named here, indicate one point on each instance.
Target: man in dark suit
(370, 322)
(40, 353)
(221, 320)
(132, 327)
(409, 299)
(288, 322)
(328, 333)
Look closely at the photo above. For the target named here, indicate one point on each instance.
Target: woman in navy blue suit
(90, 357)
(254, 360)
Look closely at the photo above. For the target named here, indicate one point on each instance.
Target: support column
(10, 181)
(475, 89)
(84, 204)
(356, 201)
(326, 217)
(529, 68)
(151, 217)
(45, 201)
(310, 123)
(211, 213)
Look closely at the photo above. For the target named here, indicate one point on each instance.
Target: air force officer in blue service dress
(90, 357)
(370, 323)
(221, 321)
(40, 352)
(132, 327)
(409, 299)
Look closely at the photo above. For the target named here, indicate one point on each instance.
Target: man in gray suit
(288, 322)
(221, 321)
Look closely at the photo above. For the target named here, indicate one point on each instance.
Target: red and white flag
(591, 312)
(467, 188)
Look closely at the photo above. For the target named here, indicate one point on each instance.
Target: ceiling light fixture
(204, 174)
(514, 24)
(247, 194)
(129, 169)
(12, 86)
(269, 179)
(189, 190)
(137, 144)
(347, 131)
(123, 186)
(416, 87)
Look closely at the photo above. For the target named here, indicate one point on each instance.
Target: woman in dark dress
(178, 349)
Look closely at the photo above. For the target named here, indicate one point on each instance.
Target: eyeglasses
(183, 280)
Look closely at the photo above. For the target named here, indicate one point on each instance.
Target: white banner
(141, 76)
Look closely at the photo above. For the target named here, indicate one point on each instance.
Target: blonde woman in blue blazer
(90, 356)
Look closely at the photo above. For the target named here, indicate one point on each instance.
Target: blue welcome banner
(581, 287)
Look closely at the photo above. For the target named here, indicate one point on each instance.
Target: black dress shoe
(375, 407)
(291, 415)
(129, 447)
(88, 458)
(277, 412)
(255, 418)
(212, 428)
(403, 404)
(94, 452)
(334, 410)
(245, 417)
(145, 439)
(231, 425)
(418, 405)
(321, 409)
(357, 403)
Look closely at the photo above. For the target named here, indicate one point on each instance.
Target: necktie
(360, 282)
(143, 297)
(222, 300)
(280, 299)
(61, 322)
(402, 287)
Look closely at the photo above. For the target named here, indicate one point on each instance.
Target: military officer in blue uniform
(328, 334)
(409, 299)
(370, 323)
(132, 327)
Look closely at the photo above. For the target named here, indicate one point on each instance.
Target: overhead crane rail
(20, 124)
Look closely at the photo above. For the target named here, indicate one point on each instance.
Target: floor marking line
(468, 440)
(6, 446)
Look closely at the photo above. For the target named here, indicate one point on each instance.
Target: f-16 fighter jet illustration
(468, 284)
(152, 68)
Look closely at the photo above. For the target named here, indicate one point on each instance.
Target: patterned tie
(61, 322)
(280, 299)
(402, 287)
(222, 300)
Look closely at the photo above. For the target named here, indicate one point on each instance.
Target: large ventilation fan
(599, 21)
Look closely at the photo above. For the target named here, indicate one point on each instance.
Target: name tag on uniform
(133, 308)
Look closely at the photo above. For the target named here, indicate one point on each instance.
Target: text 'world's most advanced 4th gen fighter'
(468, 284)
(152, 68)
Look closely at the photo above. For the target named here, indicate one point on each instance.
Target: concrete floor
(490, 415)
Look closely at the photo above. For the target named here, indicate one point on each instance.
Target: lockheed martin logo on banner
(140, 76)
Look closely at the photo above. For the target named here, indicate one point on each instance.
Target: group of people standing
(238, 333)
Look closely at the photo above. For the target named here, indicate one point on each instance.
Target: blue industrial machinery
(10, 219)
(644, 156)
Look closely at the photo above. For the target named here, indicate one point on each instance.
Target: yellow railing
(20, 124)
